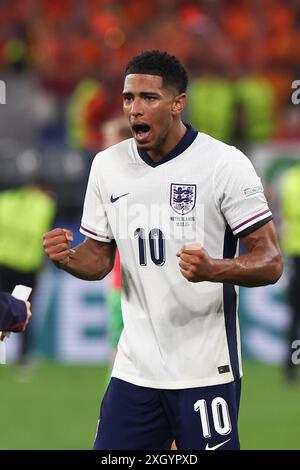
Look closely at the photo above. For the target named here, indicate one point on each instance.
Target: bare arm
(261, 265)
(91, 260)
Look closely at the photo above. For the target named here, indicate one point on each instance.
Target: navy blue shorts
(142, 418)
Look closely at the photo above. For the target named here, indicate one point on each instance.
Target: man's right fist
(57, 245)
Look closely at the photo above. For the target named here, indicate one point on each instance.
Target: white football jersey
(177, 334)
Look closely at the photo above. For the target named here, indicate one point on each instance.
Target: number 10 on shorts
(220, 414)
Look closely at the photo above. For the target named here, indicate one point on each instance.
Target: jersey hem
(171, 385)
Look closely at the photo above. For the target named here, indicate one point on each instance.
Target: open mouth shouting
(141, 133)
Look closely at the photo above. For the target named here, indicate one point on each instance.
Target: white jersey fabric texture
(177, 334)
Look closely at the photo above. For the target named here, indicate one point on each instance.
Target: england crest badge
(182, 197)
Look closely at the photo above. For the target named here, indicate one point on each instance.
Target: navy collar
(182, 145)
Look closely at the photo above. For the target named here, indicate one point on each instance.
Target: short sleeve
(240, 194)
(94, 222)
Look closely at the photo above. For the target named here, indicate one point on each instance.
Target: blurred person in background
(14, 314)
(179, 355)
(90, 104)
(114, 131)
(25, 213)
(290, 239)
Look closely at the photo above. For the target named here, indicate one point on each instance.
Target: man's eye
(150, 98)
(127, 98)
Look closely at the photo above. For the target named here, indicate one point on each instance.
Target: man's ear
(178, 104)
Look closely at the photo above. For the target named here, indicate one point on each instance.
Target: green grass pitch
(57, 407)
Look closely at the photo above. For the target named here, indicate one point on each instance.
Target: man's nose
(136, 108)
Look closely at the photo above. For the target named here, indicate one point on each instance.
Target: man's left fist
(195, 264)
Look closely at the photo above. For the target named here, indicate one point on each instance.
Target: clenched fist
(57, 245)
(195, 264)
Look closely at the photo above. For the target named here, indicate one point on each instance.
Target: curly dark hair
(162, 64)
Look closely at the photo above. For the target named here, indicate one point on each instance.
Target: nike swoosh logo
(114, 199)
(217, 446)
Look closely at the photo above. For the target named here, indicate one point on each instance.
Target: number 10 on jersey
(156, 242)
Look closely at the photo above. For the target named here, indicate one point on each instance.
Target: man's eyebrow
(146, 93)
(142, 93)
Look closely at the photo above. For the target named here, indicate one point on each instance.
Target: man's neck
(169, 144)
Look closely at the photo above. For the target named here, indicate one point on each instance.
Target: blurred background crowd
(61, 64)
(63, 61)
